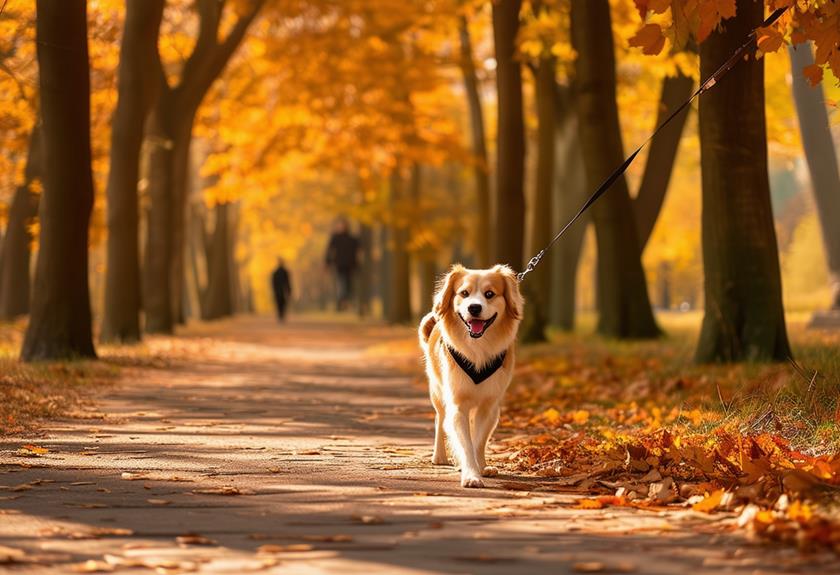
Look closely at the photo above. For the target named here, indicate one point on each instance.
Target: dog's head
(483, 305)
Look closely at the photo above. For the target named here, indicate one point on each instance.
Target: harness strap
(468, 367)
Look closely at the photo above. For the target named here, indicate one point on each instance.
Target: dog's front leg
(458, 429)
(485, 422)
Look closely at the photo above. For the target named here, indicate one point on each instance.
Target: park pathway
(305, 448)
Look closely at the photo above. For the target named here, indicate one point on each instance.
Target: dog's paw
(440, 460)
(471, 481)
(489, 471)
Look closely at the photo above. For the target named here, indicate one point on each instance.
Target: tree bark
(569, 194)
(218, 296)
(137, 89)
(481, 170)
(509, 204)
(822, 161)
(744, 318)
(537, 287)
(60, 322)
(661, 155)
(399, 310)
(171, 131)
(366, 269)
(16, 250)
(624, 305)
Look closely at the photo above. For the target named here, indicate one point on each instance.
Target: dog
(467, 340)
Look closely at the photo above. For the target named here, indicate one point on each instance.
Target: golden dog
(468, 339)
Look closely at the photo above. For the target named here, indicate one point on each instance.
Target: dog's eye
(464, 293)
(489, 294)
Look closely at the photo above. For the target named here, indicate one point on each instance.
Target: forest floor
(244, 446)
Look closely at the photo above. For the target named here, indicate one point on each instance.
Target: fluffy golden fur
(476, 313)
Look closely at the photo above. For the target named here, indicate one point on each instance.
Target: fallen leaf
(194, 539)
(226, 490)
(294, 548)
(93, 566)
(11, 555)
(32, 451)
(588, 567)
(710, 503)
(369, 519)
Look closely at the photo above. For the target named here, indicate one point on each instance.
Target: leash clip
(532, 263)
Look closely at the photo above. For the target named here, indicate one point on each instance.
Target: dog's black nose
(475, 309)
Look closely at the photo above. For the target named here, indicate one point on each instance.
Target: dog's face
(481, 303)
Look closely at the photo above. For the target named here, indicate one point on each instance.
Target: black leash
(706, 85)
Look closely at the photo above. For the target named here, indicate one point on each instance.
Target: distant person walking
(282, 285)
(342, 252)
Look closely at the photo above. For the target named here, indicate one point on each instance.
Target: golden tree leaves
(815, 20)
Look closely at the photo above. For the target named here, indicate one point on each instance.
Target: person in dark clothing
(282, 286)
(342, 253)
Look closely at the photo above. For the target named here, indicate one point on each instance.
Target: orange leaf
(709, 503)
(813, 73)
(769, 39)
(649, 38)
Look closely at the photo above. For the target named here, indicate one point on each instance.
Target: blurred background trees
(224, 135)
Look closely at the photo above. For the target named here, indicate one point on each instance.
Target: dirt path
(305, 449)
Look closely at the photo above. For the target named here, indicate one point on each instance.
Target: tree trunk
(509, 205)
(744, 318)
(366, 269)
(16, 250)
(624, 304)
(384, 271)
(172, 133)
(218, 296)
(157, 292)
(822, 161)
(137, 88)
(481, 170)
(60, 322)
(537, 287)
(661, 155)
(569, 194)
(400, 271)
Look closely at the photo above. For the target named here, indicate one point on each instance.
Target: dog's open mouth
(477, 327)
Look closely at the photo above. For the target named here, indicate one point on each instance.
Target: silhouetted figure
(342, 254)
(282, 286)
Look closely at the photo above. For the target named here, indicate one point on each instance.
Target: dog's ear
(513, 297)
(446, 290)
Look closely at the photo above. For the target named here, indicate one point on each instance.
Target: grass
(648, 383)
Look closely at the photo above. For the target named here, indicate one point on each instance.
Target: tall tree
(137, 89)
(218, 296)
(538, 285)
(15, 252)
(569, 194)
(822, 160)
(509, 204)
(170, 130)
(744, 318)
(399, 268)
(661, 155)
(623, 301)
(481, 170)
(60, 322)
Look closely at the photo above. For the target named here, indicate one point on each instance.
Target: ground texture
(305, 448)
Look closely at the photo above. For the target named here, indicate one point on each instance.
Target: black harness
(477, 375)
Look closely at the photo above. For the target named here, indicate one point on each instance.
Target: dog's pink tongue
(476, 325)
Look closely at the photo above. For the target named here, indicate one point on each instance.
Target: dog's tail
(427, 324)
